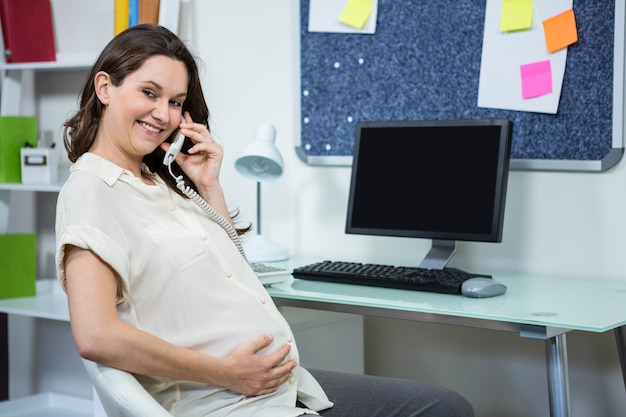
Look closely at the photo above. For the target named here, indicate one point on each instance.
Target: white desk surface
(594, 305)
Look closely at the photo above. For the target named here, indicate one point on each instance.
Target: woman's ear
(102, 84)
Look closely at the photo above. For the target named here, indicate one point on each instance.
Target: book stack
(27, 31)
(157, 12)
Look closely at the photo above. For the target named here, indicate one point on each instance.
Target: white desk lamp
(261, 161)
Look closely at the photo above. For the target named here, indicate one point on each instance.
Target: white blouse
(182, 279)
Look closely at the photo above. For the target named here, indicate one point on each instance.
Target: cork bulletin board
(423, 62)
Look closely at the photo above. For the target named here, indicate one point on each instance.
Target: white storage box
(39, 165)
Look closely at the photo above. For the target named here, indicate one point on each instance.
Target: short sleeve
(74, 228)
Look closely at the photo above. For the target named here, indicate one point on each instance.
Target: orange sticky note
(560, 31)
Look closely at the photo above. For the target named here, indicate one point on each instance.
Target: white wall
(569, 224)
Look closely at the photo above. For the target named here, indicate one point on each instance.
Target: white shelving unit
(38, 329)
(48, 405)
(64, 62)
(50, 303)
(30, 317)
(18, 91)
(45, 188)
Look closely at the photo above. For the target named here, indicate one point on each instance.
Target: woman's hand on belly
(247, 372)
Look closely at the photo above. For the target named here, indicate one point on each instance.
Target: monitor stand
(439, 254)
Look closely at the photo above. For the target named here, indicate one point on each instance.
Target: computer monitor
(443, 180)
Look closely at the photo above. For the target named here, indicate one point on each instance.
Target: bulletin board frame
(333, 98)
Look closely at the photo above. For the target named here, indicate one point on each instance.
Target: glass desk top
(591, 304)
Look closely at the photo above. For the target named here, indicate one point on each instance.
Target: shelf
(48, 405)
(64, 62)
(49, 303)
(52, 188)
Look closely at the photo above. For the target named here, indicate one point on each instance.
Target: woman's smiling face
(142, 112)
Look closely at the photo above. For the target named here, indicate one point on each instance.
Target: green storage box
(18, 265)
(15, 133)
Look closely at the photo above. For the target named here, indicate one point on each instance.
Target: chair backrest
(121, 395)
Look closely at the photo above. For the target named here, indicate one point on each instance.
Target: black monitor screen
(443, 179)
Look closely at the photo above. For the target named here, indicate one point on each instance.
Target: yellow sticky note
(560, 31)
(356, 12)
(516, 15)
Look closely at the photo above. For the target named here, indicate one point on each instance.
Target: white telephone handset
(170, 155)
(175, 147)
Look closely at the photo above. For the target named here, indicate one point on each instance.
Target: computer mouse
(481, 287)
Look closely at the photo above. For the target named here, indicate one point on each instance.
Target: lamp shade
(260, 160)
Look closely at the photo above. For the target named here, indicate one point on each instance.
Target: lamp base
(258, 248)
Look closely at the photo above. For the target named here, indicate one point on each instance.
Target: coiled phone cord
(210, 211)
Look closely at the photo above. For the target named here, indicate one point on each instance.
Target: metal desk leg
(558, 378)
(620, 338)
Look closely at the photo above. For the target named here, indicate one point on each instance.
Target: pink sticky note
(536, 79)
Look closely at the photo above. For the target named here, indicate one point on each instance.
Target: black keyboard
(447, 280)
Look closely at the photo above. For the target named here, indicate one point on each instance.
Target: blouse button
(262, 300)
(228, 273)
(172, 206)
(290, 339)
(203, 237)
(292, 380)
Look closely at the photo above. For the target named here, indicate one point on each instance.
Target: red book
(27, 30)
